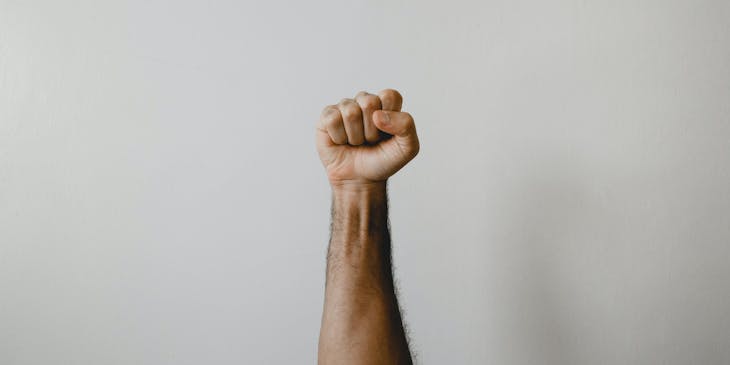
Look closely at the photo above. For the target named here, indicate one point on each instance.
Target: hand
(367, 139)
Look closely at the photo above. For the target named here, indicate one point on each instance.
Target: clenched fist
(366, 139)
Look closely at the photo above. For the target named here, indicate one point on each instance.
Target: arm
(361, 323)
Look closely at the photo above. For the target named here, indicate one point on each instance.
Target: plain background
(161, 201)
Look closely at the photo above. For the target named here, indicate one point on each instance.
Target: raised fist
(366, 139)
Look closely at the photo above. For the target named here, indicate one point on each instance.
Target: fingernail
(384, 116)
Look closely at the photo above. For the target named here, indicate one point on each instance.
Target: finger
(403, 129)
(331, 122)
(352, 118)
(368, 104)
(390, 99)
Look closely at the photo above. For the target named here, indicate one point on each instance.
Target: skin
(362, 142)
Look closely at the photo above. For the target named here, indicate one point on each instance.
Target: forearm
(361, 322)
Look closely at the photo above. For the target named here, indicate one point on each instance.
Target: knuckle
(327, 110)
(331, 122)
(391, 95)
(369, 102)
(331, 118)
(345, 101)
(349, 110)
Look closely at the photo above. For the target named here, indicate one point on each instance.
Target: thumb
(401, 126)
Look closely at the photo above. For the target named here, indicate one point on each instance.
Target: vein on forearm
(359, 247)
(361, 306)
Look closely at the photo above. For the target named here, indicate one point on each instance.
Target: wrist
(343, 188)
(359, 210)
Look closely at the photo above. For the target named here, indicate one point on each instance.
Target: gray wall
(161, 201)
